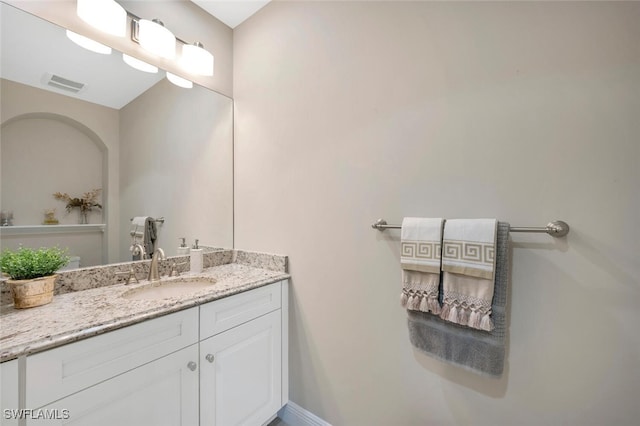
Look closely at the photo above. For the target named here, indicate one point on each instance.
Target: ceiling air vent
(63, 83)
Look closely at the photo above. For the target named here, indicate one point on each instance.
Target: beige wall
(176, 162)
(528, 112)
(186, 20)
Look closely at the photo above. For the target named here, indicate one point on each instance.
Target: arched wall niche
(43, 153)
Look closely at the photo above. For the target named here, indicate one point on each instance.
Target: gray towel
(149, 237)
(476, 350)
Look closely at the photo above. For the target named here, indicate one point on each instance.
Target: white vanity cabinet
(223, 363)
(9, 392)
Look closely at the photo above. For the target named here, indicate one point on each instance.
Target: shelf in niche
(51, 229)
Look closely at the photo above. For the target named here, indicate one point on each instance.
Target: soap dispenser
(195, 261)
(183, 250)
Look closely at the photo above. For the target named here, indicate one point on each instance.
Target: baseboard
(295, 415)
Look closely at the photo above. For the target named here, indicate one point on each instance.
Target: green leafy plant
(26, 263)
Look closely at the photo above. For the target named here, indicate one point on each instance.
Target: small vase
(84, 217)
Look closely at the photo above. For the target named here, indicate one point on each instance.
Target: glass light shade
(104, 15)
(155, 38)
(196, 60)
(179, 81)
(138, 64)
(88, 44)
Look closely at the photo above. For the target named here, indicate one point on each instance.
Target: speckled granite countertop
(77, 315)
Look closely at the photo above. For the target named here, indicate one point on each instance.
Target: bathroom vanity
(213, 356)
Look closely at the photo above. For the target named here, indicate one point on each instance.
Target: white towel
(138, 225)
(468, 263)
(139, 221)
(421, 247)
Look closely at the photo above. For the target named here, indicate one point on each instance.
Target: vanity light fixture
(88, 44)
(151, 35)
(155, 38)
(138, 64)
(104, 15)
(196, 59)
(179, 81)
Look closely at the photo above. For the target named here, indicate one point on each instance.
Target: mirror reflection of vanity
(154, 149)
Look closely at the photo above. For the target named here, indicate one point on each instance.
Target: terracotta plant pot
(31, 293)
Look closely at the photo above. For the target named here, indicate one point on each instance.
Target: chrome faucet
(153, 269)
(137, 249)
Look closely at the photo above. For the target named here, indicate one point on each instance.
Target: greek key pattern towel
(420, 259)
(468, 264)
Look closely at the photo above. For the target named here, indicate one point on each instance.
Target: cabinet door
(162, 392)
(240, 374)
(9, 393)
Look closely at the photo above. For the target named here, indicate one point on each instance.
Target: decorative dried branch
(86, 203)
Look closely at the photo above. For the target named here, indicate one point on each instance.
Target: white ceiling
(231, 12)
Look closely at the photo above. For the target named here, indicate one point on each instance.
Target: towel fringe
(423, 304)
(416, 303)
(486, 323)
(404, 299)
(420, 301)
(474, 319)
(453, 314)
(433, 305)
(444, 311)
(412, 301)
(460, 313)
(463, 315)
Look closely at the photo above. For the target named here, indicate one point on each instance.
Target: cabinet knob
(209, 357)
(192, 366)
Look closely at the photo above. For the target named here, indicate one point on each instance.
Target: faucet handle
(130, 274)
(174, 269)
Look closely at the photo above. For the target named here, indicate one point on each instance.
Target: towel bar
(557, 228)
(158, 220)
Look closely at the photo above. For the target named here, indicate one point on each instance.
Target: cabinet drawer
(223, 314)
(62, 371)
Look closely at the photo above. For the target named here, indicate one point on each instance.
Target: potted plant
(32, 274)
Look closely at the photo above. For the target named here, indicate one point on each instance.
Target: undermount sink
(169, 289)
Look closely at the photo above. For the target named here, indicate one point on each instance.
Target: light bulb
(154, 37)
(88, 44)
(196, 59)
(104, 15)
(179, 81)
(138, 64)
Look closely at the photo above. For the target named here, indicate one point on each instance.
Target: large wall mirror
(74, 121)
